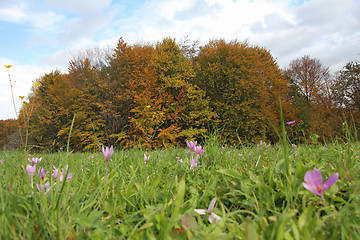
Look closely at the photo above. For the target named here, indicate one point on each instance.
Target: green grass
(157, 199)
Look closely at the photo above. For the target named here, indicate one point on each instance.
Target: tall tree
(347, 86)
(312, 97)
(310, 78)
(168, 108)
(244, 84)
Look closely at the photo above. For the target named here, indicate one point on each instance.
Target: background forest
(163, 94)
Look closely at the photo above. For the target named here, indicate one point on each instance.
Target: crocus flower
(290, 123)
(34, 160)
(194, 162)
(2, 161)
(55, 172)
(191, 145)
(199, 150)
(314, 182)
(42, 172)
(41, 186)
(62, 174)
(212, 216)
(146, 158)
(107, 153)
(31, 169)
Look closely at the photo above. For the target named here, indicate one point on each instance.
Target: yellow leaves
(21, 97)
(36, 84)
(8, 66)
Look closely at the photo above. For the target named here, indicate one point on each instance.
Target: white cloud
(13, 13)
(81, 7)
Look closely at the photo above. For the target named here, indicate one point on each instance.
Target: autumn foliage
(163, 94)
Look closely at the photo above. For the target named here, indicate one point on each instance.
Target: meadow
(259, 193)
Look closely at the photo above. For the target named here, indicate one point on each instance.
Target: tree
(310, 78)
(244, 84)
(168, 109)
(8, 129)
(312, 97)
(347, 86)
(51, 102)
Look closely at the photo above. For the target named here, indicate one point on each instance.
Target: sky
(40, 36)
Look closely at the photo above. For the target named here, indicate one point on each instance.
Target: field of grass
(259, 194)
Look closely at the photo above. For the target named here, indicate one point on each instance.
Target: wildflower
(290, 123)
(62, 174)
(41, 186)
(8, 66)
(314, 183)
(91, 157)
(212, 216)
(146, 158)
(55, 172)
(42, 172)
(30, 169)
(194, 162)
(2, 161)
(191, 145)
(61, 178)
(199, 150)
(34, 160)
(107, 153)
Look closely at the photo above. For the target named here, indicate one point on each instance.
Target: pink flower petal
(317, 178)
(330, 181)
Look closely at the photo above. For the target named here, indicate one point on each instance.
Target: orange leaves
(243, 83)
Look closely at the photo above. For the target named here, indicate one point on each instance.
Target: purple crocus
(290, 123)
(146, 158)
(199, 150)
(41, 186)
(34, 160)
(212, 216)
(194, 162)
(191, 145)
(31, 171)
(107, 153)
(62, 174)
(55, 172)
(314, 182)
(2, 161)
(42, 172)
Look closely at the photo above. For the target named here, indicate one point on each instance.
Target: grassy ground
(259, 194)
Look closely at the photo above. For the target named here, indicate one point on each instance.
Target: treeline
(167, 93)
